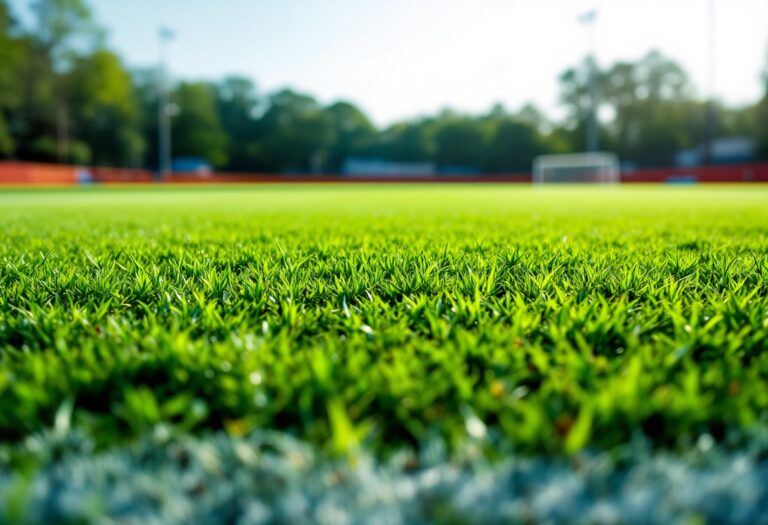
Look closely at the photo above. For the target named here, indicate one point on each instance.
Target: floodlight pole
(163, 110)
(711, 121)
(588, 19)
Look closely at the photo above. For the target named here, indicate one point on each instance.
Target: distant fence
(27, 173)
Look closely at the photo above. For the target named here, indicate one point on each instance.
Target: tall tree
(11, 63)
(406, 142)
(144, 83)
(513, 147)
(651, 108)
(460, 142)
(105, 113)
(574, 94)
(63, 28)
(238, 104)
(352, 133)
(197, 129)
(651, 105)
(294, 134)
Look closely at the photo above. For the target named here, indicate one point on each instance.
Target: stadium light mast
(589, 19)
(164, 107)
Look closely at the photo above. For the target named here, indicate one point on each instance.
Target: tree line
(65, 96)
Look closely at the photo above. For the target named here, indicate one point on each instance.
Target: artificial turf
(380, 317)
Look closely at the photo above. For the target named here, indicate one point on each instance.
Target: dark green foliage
(294, 133)
(550, 319)
(460, 142)
(197, 130)
(513, 147)
(104, 111)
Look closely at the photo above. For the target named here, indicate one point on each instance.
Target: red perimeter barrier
(741, 173)
(705, 174)
(698, 174)
(216, 178)
(120, 175)
(37, 174)
(25, 173)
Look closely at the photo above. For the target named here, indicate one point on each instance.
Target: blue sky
(402, 58)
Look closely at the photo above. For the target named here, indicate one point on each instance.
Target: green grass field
(378, 319)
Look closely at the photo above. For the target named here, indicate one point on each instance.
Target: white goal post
(594, 168)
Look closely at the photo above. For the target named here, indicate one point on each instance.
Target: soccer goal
(588, 168)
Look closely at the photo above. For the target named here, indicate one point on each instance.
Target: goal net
(595, 168)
